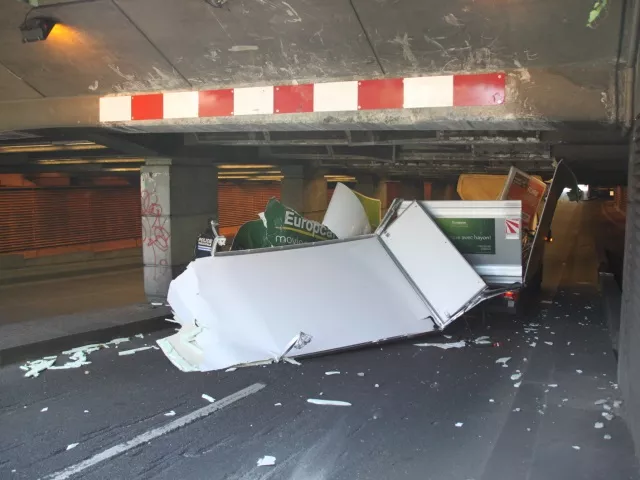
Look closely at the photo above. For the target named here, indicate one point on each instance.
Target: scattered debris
(336, 403)
(298, 342)
(608, 416)
(44, 409)
(170, 414)
(376, 385)
(575, 447)
(452, 20)
(267, 461)
(598, 425)
(72, 445)
(607, 437)
(34, 367)
(232, 369)
(606, 407)
(517, 385)
(548, 302)
(552, 385)
(86, 411)
(579, 372)
(332, 372)
(602, 401)
(548, 343)
(528, 429)
(491, 400)
(361, 374)
(482, 340)
(533, 344)
(517, 409)
(503, 361)
(516, 376)
(139, 335)
(157, 304)
(277, 404)
(135, 350)
(292, 361)
(565, 400)
(617, 403)
(208, 398)
(459, 424)
(118, 341)
(444, 346)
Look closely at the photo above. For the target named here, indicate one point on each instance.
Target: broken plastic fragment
(607, 437)
(491, 400)
(376, 385)
(170, 413)
(292, 361)
(598, 425)
(267, 461)
(208, 398)
(517, 385)
(277, 404)
(232, 369)
(516, 376)
(459, 424)
(72, 445)
(135, 350)
(549, 343)
(337, 403)
(578, 371)
(332, 372)
(575, 447)
(44, 409)
(34, 367)
(552, 385)
(606, 407)
(517, 409)
(503, 361)
(157, 304)
(617, 403)
(297, 342)
(118, 341)
(608, 416)
(533, 344)
(360, 374)
(444, 346)
(139, 335)
(482, 340)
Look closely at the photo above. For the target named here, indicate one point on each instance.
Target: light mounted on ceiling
(37, 28)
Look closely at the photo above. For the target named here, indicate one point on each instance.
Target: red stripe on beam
(147, 107)
(380, 94)
(478, 90)
(215, 103)
(293, 99)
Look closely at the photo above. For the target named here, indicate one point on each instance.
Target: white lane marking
(155, 433)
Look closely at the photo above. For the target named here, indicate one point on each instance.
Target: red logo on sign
(512, 226)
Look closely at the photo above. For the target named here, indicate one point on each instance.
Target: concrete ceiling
(111, 46)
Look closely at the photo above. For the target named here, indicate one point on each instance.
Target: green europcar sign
(470, 235)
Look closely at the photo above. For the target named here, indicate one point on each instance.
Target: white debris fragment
(86, 411)
(170, 413)
(602, 401)
(232, 369)
(448, 337)
(292, 361)
(607, 437)
(503, 361)
(208, 398)
(459, 424)
(376, 385)
(139, 335)
(157, 304)
(552, 385)
(85, 349)
(516, 376)
(575, 447)
(337, 403)
(608, 416)
(332, 372)
(444, 346)
(598, 425)
(548, 302)
(517, 385)
(528, 429)
(34, 367)
(565, 400)
(277, 404)
(44, 409)
(578, 371)
(548, 343)
(491, 400)
(533, 344)
(482, 340)
(617, 403)
(517, 409)
(72, 446)
(135, 350)
(267, 461)
(606, 407)
(360, 374)
(118, 341)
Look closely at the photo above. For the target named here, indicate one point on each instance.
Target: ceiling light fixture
(36, 29)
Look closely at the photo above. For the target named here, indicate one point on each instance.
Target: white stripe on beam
(115, 109)
(335, 97)
(425, 92)
(253, 101)
(180, 104)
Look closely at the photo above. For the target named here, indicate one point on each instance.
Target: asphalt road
(402, 422)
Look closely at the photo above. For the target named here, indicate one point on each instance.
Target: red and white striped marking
(391, 93)
(512, 228)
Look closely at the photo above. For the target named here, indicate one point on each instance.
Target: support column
(438, 190)
(374, 187)
(178, 199)
(305, 190)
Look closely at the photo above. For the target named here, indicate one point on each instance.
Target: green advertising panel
(470, 235)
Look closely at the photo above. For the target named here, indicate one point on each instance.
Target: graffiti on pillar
(154, 234)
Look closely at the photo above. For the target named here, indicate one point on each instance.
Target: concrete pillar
(305, 190)
(438, 190)
(450, 191)
(374, 187)
(411, 189)
(178, 198)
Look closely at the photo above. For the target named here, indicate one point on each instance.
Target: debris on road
(72, 446)
(232, 369)
(336, 403)
(376, 385)
(444, 346)
(575, 447)
(482, 340)
(607, 437)
(332, 372)
(277, 404)
(598, 425)
(170, 413)
(548, 343)
(516, 376)
(517, 385)
(267, 461)
(552, 385)
(617, 403)
(136, 350)
(361, 374)
(35, 367)
(579, 372)
(608, 416)
(118, 341)
(459, 424)
(292, 361)
(503, 361)
(139, 335)
(208, 398)
(517, 409)
(44, 409)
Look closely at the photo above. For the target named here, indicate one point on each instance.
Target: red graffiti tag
(154, 234)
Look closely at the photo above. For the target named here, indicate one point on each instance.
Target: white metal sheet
(435, 266)
(251, 304)
(345, 214)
